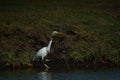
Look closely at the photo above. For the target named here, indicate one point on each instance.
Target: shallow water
(109, 74)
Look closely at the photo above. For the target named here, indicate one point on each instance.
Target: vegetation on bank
(91, 30)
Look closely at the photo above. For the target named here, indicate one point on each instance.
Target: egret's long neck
(49, 45)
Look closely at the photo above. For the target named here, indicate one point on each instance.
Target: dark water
(107, 74)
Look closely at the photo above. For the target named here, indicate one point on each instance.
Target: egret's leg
(44, 63)
(34, 58)
(46, 66)
(47, 60)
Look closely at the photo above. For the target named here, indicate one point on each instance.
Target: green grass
(29, 23)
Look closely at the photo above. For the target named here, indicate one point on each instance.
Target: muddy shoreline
(61, 64)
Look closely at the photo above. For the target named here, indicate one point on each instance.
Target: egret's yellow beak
(60, 33)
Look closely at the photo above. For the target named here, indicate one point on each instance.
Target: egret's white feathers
(49, 46)
(44, 51)
(54, 32)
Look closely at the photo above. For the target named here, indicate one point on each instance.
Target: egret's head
(56, 32)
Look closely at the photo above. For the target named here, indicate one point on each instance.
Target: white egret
(45, 50)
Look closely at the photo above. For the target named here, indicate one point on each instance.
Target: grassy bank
(91, 30)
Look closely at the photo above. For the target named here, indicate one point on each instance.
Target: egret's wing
(41, 52)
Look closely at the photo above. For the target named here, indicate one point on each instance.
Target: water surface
(110, 74)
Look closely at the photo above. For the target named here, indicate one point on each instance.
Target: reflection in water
(113, 74)
(45, 76)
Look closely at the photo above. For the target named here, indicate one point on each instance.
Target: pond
(78, 74)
